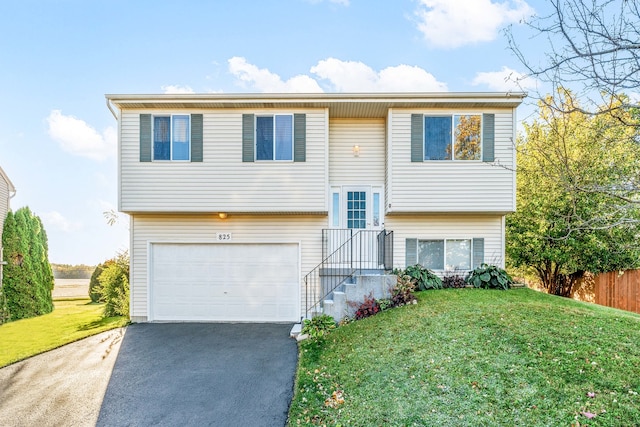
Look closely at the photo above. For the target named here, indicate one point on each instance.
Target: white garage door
(225, 282)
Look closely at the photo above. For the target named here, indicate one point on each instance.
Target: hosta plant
(425, 278)
(318, 326)
(489, 277)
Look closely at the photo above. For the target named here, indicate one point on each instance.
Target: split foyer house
(243, 207)
(7, 191)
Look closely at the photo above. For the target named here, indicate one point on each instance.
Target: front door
(357, 207)
(356, 218)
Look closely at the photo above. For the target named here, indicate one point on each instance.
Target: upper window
(274, 137)
(171, 137)
(449, 254)
(455, 137)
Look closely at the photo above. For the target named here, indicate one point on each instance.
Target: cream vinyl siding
(368, 167)
(222, 182)
(146, 229)
(449, 226)
(4, 205)
(451, 186)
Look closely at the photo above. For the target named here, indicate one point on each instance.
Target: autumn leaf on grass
(588, 414)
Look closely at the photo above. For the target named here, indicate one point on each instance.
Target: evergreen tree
(27, 279)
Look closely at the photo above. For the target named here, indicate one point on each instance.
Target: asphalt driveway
(185, 374)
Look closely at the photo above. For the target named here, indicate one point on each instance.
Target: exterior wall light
(356, 150)
(222, 215)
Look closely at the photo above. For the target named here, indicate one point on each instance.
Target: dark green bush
(424, 278)
(489, 277)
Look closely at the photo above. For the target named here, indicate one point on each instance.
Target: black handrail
(350, 251)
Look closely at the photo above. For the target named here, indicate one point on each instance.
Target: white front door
(357, 207)
(356, 218)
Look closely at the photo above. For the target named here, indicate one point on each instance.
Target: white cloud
(504, 80)
(354, 76)
(56, 220)
(173, 89)
(77, 137)
(263, 80)
(450, 24)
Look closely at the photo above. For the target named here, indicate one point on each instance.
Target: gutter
(109, 106)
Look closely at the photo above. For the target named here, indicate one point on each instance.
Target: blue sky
(58, 58)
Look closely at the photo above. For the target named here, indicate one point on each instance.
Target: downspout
(115, 116)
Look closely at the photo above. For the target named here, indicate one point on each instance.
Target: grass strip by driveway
(71, 320)
(470, 357)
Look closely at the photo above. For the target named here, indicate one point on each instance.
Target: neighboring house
(7, 191)
(235, 199)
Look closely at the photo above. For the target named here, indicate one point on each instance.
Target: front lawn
(470, 357)
(71, 320)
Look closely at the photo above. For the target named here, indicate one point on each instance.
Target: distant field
(70, 288)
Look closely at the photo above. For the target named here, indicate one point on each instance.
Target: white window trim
(255, 137)
(424, 116)
(153, 159)
(445, 269)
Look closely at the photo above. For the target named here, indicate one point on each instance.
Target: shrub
(385, 304)
(369, 307)
(402, 292)
(318, 326)
(489, 277)
(424, 278)
(114, 287)
(94, 283)
(453, 279)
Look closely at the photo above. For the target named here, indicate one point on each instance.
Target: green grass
(71, 320)
(470, 357)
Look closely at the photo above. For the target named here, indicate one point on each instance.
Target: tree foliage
(67, 271)
(27, 278)
(114, 285)
(578, 204)
(593, 48)
(95, 292)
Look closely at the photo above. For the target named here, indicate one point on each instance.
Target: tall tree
(593, 48)
(577, 195)
(27, 280)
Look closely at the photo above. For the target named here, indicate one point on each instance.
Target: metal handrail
(355, 251)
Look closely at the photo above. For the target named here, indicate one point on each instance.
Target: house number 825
(223, 237)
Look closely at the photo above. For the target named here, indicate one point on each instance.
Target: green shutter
(248, 144)
(478, 251)
(417, 138)
(299, 137)
(488, 137)
(145, 137)
(411, 252)
(196, 137)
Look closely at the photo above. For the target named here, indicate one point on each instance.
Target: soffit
(339, 105)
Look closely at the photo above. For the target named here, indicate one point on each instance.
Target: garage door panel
(224, 282)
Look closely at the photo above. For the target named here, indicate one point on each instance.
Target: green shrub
(94, 283)
(385, 304)
(318, 326)
(114, 287)
(489, 277)
(425, 278)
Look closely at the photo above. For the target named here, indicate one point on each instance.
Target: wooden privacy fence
(618, 290)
